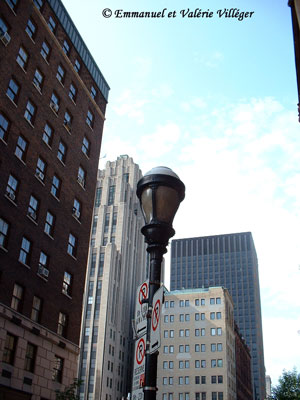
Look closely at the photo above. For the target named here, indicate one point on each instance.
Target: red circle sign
(156, 315)
(143, 292)
(140, 351)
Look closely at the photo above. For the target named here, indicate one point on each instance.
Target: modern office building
(197, 354)
(52, 105)
(117, 265)
(295, 11)
(229, 261)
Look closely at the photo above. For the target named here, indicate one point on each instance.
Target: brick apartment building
(52, 106)
(295, 11)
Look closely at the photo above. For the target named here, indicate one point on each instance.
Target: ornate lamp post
(160, 192)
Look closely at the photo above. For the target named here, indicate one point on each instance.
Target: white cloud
(130, 106)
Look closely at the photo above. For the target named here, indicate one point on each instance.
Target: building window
(111, 195)
(9, 349)
(58, 369)
(213, 363)
(197, 316)
(54, 102)
(76, 211)
(197, 302)
(86, 146)
(13, 90)
(98, 196)
(203, 363)
(77, 66)
(66, 47)
(62, 152)
(62, 324)
(220, 363)
(187, 317)
(33, 207)
(17, 298)
(56, 186)
(68, 121)
(36, 309)
(30, 112)
(93, 92)
(45, 51)
(73, 92)
(220, 378)
(106, 222)
(30, 357)
(90, 119)
(212, 315)
(25, 251)
(12, 4)
(22, 58)
(43, 260)
(219, 316)
(213, 347)
(202, 316)
(60, 74)
(81, 176)
(40, 169)
(31, 29)
(202, 331)
(219, 347)
(52, 24)
(49, 224)
(212, 301)
(219, 331)
(38, 4)
(12, 187)
(38, 79)
(48, 135)
(213, 331)
(202, 302)
(4, 127)
(67, 284)
(4, 228)
(218, 300)
(21, 148)
(72, 245)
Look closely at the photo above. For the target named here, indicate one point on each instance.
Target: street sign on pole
(139, 369)
(155, 320)
(141, 309)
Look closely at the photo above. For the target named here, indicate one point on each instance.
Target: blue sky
(215, 100)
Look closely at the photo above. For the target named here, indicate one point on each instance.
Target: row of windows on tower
(198, 396)
(185, 380)
(187, 317)
(18, 297)
(30, 357)
(197, 302)
(31, 30)
(27, 246)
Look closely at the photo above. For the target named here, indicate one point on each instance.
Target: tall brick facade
(52, 105)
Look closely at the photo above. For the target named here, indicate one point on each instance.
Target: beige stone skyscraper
(117, 265)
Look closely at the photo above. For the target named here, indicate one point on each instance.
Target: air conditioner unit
(11, 195)
(76, 213)
(81, 180)
(5, 38)
(54, 106)
(40, 175)
(43, 271)
(32, 214)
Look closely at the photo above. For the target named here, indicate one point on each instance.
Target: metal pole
(156, 252)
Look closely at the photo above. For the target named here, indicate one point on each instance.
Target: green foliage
(70, 392)
(288, 387)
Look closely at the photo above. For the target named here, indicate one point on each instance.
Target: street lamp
(160, 192)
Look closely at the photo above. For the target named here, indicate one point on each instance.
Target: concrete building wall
(197, 355)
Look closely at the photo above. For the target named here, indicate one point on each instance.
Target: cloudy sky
(215, 100)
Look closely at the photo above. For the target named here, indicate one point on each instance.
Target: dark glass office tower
(230, 261)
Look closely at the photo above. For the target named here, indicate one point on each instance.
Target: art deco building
(116, 267)
(52, 105)
(197, 355)
(229, 261)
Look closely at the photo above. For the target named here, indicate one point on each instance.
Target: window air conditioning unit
(76, 213)
(32, 214)
(11, 195)
(80, 180)
(54, 106)
(40, 175)
(5, 38)
(43, 271)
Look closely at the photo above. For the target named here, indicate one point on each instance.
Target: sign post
(155, 320)
(139, 369)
